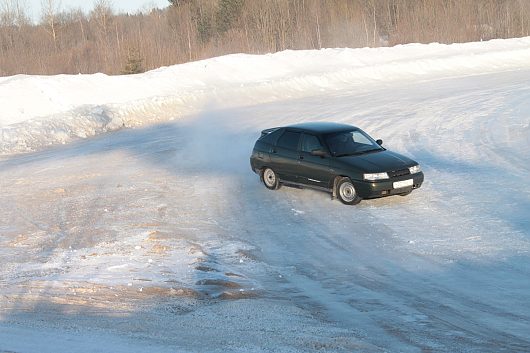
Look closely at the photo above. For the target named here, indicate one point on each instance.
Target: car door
(313, 170)
(285, 155)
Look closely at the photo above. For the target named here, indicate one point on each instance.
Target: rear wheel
(347, 193)
(270, 179)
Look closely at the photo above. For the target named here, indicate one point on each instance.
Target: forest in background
(71, 41)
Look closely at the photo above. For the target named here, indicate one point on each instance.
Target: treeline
(102, 41)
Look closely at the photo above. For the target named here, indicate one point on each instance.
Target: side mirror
(379, 142)
(320, 153)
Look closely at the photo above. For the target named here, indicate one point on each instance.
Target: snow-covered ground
(160, 238)
(42, 110)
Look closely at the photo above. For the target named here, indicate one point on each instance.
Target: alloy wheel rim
(347, 192)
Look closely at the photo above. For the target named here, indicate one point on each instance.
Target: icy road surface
(162, 239)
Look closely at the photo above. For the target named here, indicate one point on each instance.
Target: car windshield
(350, 143)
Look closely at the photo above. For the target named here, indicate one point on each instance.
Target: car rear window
(289, 140)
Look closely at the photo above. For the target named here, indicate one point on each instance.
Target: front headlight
(375, 176)
(415, 169)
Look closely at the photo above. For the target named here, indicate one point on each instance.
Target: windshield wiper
(369, 151)
(357, 153)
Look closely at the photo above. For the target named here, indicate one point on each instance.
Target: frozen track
(144, 233)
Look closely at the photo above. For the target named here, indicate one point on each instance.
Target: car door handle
(301, 157)
(273, 151)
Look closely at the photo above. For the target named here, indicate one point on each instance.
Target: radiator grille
(398, 173)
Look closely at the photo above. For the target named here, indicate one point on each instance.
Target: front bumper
(382, 188)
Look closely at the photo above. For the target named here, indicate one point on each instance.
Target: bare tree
(12, 13)
(50, 11)
(101, 18)
(102, 14)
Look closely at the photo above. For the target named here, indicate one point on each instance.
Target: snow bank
(44, 110)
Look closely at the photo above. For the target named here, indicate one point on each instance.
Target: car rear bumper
(369, 190)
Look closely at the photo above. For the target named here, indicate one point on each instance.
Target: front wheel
(270, 179)
(346, 192)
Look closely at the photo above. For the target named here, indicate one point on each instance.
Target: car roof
(321, 127)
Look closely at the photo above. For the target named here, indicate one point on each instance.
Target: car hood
(376, 162)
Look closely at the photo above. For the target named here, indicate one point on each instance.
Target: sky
(130, 6)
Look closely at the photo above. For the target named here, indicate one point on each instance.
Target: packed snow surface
(160, 238)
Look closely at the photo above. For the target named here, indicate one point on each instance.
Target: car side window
(289, 140)
(311, 143)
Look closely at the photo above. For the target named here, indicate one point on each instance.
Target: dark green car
(341, 159)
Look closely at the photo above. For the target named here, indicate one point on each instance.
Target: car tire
(270, 179)
(346, 192)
